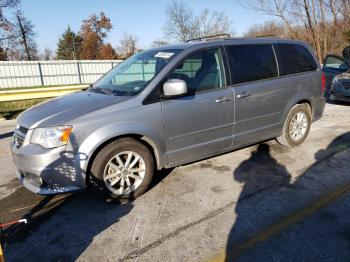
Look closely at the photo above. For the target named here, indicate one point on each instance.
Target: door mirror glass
(335, 62)
(174, 87)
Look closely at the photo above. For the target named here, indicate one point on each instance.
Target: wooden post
(79, 74)
(41, 74)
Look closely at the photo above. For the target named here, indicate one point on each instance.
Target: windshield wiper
(123, 93)
(101, 90)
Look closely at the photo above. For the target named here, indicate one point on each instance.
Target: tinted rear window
(251, 63)
(294, 59)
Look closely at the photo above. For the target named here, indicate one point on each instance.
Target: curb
(7, 123)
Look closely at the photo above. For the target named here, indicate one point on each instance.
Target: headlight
(50, 137)
(335, 82)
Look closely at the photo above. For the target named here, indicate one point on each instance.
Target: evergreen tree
(69, 46)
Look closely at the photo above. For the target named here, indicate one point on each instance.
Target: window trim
(253, 81)
(153, 95)
(196, 52)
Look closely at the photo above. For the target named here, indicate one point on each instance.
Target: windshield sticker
(164, 55)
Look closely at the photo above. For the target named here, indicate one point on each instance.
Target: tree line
(324, 24)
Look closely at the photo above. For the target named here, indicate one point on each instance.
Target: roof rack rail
(207, 37)
(261, 36)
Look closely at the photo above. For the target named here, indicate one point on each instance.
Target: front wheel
(296, 127)
(123, 169)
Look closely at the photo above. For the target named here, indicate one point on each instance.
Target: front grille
(19, 136)
(18, 140)
(346, 85)
(22, 129)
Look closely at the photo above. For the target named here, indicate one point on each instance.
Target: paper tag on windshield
(164, 55)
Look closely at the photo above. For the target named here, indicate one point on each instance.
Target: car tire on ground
(297, 126)
(122, 170)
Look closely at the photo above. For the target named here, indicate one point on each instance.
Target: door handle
(223, 99)
(243, 95)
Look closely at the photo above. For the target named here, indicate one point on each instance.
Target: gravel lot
(261, 203)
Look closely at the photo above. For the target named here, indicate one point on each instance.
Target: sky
(143, 18)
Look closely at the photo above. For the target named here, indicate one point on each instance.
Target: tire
(295, 136)
(107, 168)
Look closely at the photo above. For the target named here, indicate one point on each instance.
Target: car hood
(64, 109)
(343, 77)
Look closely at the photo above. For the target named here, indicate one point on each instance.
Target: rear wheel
(296, 127)
(123, 169)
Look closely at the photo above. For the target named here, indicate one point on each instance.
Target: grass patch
(15, 106)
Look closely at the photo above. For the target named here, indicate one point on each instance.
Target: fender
(296, 99)
(114, 130)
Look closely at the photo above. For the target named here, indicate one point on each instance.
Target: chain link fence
(52, 73)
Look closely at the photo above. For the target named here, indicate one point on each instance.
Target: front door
(200, 123)
(333, 65)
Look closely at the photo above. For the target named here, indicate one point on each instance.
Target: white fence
(49, 73)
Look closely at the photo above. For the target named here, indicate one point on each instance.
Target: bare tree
(22, 41)
(5, 24)
(179, 22)
(269, 28)
(182, 24)
(47, 54)
(211, 23)
(321, 23)
(127, 45)
(24, 30)
(280, 9)
(3, 54)
(159, 43)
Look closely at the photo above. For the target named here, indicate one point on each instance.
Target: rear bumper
(48, 171)
(338, 97)
(340, 94)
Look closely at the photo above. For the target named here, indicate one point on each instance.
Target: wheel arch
(300, 98)
(138, 137)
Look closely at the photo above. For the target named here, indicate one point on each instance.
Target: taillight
(323, 87)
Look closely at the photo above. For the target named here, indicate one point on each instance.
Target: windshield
(131, 76)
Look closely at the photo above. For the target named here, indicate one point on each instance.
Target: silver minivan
(166, 107)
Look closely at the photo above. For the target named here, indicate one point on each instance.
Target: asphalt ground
(261, 203)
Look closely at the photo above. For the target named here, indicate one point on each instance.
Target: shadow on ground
(6, 135)
(71, 222)
(261, 173)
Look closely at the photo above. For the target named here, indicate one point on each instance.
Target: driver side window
(202, 71)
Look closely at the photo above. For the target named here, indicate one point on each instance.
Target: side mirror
(174, 87)
(344, 67)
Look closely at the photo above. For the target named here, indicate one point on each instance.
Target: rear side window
(251, 63)
(294, 59)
